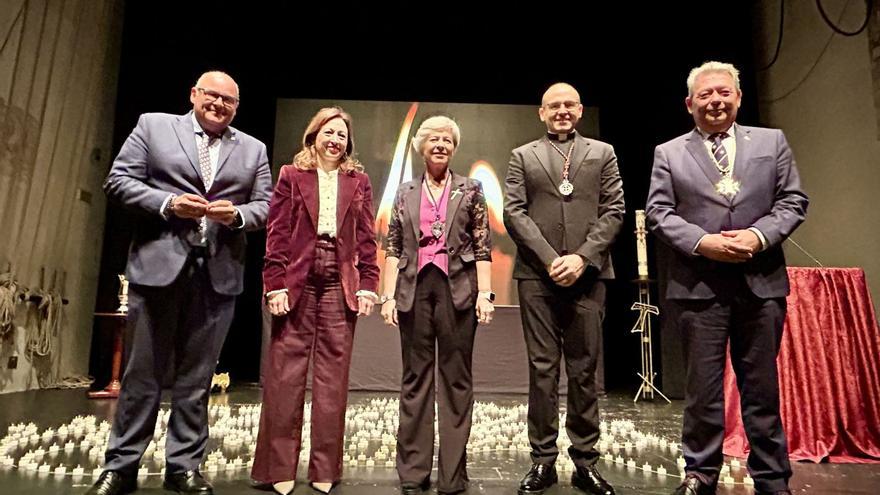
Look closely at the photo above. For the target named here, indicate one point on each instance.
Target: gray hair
(712, 66)
(434, 124)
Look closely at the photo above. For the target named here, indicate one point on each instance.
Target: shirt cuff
(697, 245)
(164, 207)
(241, 221)
(273, 292)
(760, 237)
(368, 294)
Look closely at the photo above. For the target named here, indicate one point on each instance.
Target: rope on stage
(8, 299)
(42, 337)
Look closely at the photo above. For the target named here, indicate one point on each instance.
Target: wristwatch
(488, 295)
(168, 212)
(385, 298)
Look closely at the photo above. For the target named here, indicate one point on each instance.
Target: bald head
(218, 77)
(561, 108)
(560, 88)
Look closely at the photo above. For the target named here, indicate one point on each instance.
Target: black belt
(326, 241)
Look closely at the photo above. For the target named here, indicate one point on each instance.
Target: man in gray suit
(722, 199)
(563, 209)
(194, 185)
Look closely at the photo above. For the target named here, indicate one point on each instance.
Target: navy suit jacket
(683, 205)
(160, 158)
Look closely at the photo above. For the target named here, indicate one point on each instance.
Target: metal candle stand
(646, 309)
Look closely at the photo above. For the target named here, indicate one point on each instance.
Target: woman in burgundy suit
(320, 274)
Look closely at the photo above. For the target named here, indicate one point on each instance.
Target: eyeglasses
(557, 105)
(228, 101)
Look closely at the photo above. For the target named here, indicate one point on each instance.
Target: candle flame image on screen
(482, 171)
(401, 171)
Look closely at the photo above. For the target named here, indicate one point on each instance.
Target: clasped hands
(730, 246)
(193, 206)
(566, 269)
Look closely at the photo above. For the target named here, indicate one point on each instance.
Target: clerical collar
(561, 137)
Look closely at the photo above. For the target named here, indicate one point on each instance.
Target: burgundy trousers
(320, 329)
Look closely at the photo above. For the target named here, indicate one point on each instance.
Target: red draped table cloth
(829, 371)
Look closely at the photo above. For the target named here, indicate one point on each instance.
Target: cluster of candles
(44, 452)
(621, 435)
(370, 442)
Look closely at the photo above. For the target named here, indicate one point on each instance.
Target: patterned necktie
(721, 159)
(205, 142)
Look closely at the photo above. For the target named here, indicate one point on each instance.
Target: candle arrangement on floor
(76, 449)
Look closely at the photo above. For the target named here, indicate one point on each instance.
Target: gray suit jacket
(683, 206)
(159, 158)
(468, 239)
(545, 225)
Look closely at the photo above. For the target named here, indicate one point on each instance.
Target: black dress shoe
(413, 488)
(588, 479)
(693, 485)
(187, 482)
(539, 478)
(113, 483)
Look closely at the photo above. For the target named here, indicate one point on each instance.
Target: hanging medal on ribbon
(565, 187)
(436, 225)
(437, 229)
(727, 186)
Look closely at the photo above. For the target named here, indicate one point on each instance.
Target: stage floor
(644, 433)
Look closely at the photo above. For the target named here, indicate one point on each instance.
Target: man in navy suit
(194, 185)
(723, 198)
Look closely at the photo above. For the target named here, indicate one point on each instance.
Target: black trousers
(559, 323)
(753, 327)
(434, 333)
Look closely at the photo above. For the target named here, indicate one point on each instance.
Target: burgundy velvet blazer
(292, 230)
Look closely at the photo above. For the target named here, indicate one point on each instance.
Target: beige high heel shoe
(283, 487)
(322, 487)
